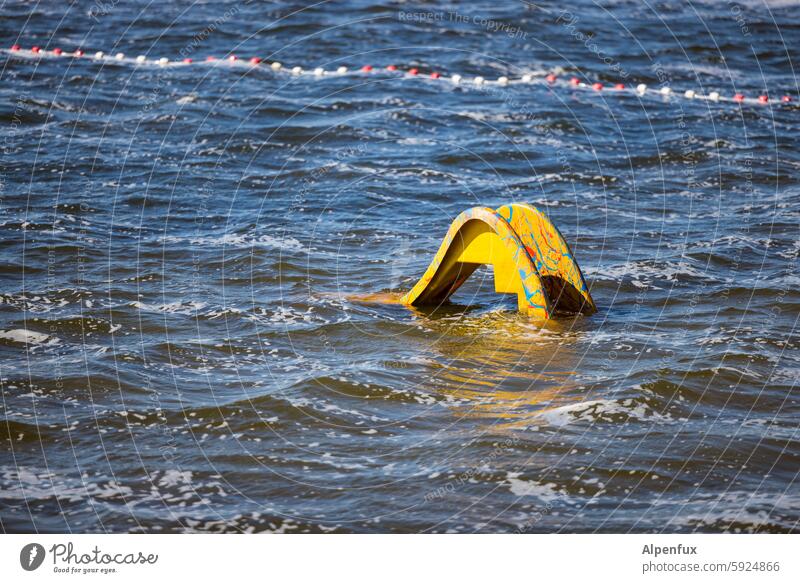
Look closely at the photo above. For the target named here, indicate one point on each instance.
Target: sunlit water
(180, 348)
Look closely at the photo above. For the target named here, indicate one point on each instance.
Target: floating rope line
(549, 79)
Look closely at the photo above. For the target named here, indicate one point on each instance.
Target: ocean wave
(611, 411)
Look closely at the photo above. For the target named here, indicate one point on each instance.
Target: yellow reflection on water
(503, 368)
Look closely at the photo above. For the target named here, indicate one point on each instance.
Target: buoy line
(549, 79)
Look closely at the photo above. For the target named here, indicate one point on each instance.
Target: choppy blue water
(178, 245)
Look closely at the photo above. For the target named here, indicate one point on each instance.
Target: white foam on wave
(291, 318)
(175, 478)
(642, 274)
(28, 337)
(243, 241)
(327, 407)
(25, 484)
(596, 410)
(268, 241)
(185, 308)
(37, 304)
(179, 487)
(748, 511)
(543, 491)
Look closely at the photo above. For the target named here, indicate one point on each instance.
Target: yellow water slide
(529, 255)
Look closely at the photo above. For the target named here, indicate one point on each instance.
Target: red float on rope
(254, 60)
(366, 68)
(57, 51)
(391, 68)
(575, 81)
(211, 58)
(597, 86)
(435, 75)
(233, 58)
(786, 99)
(35, 49)
(619, 86)
(763, 98)
(738, 97)
(413, 71)
(551, 78)
(187, 60)
(79, 53)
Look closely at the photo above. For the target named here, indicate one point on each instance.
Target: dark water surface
(178, 246)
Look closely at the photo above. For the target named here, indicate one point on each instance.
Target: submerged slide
(529, 256)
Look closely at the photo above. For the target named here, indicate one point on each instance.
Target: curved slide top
(530, 258)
